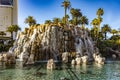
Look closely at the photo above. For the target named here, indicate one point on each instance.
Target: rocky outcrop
(8, 58)
(46, 42)
(50, 64)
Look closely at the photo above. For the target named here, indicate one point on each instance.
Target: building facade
(8, 14)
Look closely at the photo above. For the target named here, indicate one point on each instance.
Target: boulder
(50, 64)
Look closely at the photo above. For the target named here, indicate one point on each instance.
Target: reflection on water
(109, 71)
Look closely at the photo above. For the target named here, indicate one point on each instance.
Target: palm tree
(99, 13)
(2, 33)
(13, 28)
(56, 21)
(71, 22)
(106, 28)
(16, 28)
(114, 31)
(63, 19)
(83, 21)
(93, 33)
(66, 5)
(76, 14)
(48, 22)
(95, 23)
(30, 21)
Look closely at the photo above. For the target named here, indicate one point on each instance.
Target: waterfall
(79, 46)
(32, 38)
(51, 42)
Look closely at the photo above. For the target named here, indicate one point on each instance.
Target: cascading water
(45, 42)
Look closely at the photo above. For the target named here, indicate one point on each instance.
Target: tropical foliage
(106, 28)
(66, 4)
(99, 13)
(76, 14)
(13, 28)
(83, 21)
(30, 21)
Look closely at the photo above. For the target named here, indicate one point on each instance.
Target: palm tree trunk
(65, 15)
(11, 35)
(98, 28)
(76, 21)
(113, 34)
(105, 35)
(82, 26)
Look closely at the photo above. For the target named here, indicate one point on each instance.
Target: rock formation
(50, 64)
(8, 58)
(44, 42)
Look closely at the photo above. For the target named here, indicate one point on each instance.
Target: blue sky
(43, 10)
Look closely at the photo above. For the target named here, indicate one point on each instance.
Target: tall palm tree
(2, 33)
(114, 31)
(105, 29)
(95, 23)
(30, 21)
(83, 21)
(66, 5)
(76, 14)
(99, 13)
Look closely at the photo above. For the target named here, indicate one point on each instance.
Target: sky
(43, 10)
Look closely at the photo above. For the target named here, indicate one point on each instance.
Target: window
(6, 2)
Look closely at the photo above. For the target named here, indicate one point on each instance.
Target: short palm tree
(16, 28)
(83, 21)
(30, 21)
(56, 21)
(114, 31)
(105, 29)
(66, 5)
(48, 22)
(13, 28)
(76, 14)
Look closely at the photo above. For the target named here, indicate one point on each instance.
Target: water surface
(109, 71)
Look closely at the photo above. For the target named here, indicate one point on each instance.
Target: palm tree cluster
(97, 32)
(13, 28)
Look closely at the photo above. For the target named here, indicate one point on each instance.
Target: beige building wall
(8, 16)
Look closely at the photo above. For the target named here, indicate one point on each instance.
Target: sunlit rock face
(50, 64)
(46, 42)
(8, 58)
